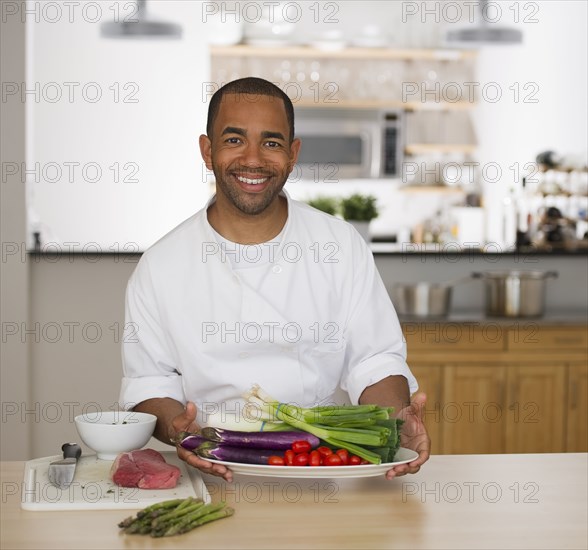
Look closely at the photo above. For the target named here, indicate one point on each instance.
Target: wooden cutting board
(93, 489)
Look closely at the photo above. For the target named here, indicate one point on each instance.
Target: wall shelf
(428, 148)
(442, 189)
(310, 95)
(385, 104)
(244, 50)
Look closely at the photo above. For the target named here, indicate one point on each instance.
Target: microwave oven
(340, 143)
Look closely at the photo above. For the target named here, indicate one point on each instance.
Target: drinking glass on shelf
(235, 69)
(579, 182)
(417, 127)
(457, 128)
(453, 78)
(337, 77)
(255, 66)
(388, 80)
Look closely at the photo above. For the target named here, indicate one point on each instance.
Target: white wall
(14, 274)
(159, 133)
(76, 329)
(552, 64)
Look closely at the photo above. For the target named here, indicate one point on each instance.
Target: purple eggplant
(189, 440)
(259, 440)
(226, 453)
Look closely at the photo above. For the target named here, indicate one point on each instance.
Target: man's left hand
(413, 436)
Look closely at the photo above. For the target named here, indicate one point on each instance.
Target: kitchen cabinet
(429, 377)
(473, 416)
(577, 410)
(536, 408)
(514, 387)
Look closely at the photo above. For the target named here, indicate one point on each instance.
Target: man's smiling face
(250, 152)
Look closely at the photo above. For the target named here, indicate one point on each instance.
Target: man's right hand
(186, 422)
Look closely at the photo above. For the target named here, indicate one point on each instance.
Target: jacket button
(277, 269)
(243, 355)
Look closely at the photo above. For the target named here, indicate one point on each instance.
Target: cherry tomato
(354, 460)
(289, 457)
(343, 455)
(301, 459)
(301, 447)
(324, 451)
(333, 460)
(315, 459)
(364, 461)
(275, 460)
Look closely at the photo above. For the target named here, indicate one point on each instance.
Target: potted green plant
(328, 205)
(360, 210)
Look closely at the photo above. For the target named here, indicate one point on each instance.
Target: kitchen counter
(568, 292)
(452, 249)
(53, 253)
(455, 501)
(572, 317)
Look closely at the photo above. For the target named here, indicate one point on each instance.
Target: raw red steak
(145, 469)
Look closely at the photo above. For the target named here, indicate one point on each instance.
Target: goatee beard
(253, 208)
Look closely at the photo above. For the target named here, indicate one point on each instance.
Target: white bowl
(112, 432)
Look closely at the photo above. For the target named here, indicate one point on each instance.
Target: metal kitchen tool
(61, 472)
(424, 299)
(515, 293)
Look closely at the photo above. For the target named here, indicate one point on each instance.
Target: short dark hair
(252, 86)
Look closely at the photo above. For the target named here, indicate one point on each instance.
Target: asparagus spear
(174, 517)
(180, 528)
(153, 511)
(159, 506)
(139, 526)
(127, 522)
(180, 523)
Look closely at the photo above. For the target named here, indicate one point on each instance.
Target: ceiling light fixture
(485, 34)
(139, 25)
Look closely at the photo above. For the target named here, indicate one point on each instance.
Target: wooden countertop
(455, 501)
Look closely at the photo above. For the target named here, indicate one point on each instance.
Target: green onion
(351, 427)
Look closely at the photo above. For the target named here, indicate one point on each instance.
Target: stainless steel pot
(515, 293)
(421, 299)
(424, 299)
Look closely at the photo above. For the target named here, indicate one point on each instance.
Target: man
(258, 288)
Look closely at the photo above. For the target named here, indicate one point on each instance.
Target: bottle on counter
(509, 221)
(523, 233)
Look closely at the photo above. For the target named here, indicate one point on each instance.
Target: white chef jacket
(313, 316)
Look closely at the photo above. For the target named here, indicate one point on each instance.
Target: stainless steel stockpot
(421, 299)
(515, 293)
